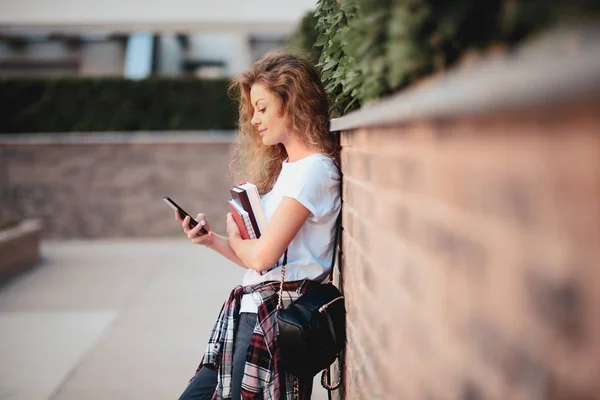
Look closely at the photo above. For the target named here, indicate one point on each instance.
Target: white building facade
(137, 39)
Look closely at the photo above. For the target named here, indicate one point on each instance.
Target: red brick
(472, 253)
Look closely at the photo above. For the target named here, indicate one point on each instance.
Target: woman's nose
(255, 121)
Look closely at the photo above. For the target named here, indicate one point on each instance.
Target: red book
(242, 220)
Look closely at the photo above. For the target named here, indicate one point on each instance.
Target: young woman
(285, 148)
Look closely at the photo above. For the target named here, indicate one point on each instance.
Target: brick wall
(113, 188)
(471, 257)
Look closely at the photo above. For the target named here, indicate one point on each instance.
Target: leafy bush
(339, 71)
(114, 104)
(370, 48)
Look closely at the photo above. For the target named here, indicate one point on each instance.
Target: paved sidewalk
(111, 319)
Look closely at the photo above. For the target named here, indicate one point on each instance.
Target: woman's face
(267, 118)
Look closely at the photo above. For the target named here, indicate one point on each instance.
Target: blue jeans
(204, 383)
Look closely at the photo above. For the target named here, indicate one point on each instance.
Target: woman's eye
(262, 111)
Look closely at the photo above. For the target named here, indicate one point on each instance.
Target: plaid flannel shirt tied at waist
(262, 378)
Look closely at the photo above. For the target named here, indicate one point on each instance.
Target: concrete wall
(112, 185)
(471, 230)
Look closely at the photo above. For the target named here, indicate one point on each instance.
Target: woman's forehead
(259, 91)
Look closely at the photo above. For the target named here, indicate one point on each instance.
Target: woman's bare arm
(261, 254)
(220, 244)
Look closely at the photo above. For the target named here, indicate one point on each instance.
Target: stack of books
(247, 211)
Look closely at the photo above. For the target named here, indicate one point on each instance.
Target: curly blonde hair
(296, 82)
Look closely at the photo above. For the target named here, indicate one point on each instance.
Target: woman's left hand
(232, 228)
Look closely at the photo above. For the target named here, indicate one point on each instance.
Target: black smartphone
(183, 214)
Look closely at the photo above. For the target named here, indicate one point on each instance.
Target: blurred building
(133, 39)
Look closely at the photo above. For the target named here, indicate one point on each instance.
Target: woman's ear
(282, 111)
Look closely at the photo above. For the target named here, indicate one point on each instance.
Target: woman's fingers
(192, 233)
(185, 224)
(202, 239)
(232, 228)
(203, 221)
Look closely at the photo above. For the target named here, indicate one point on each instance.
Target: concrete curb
(19, 247)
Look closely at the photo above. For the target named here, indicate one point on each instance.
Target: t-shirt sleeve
(315, 187)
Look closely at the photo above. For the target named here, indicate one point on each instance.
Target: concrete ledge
(19, 247)
(561, 66)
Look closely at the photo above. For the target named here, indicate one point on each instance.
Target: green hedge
(371, 48)
(114, 104)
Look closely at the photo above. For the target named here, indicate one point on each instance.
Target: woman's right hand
(194, 234)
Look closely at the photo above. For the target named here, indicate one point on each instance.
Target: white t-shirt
(314, 182)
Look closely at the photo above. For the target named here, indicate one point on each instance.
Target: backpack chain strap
(279, 302)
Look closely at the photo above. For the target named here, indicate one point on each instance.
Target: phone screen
(183, 213)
